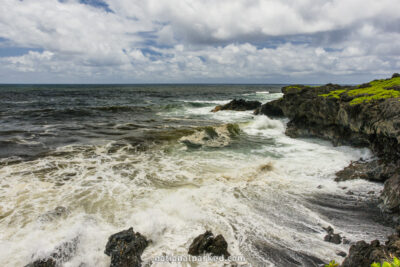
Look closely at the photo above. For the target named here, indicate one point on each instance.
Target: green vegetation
(332, 264)
(334, 94)
(378, 89)
(299, 87)
(294, 88)
(394, 263)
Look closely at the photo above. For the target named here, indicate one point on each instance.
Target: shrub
(394, 263)
(332, 264)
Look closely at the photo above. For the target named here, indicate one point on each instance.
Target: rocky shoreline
(333, 112)
(366, 115)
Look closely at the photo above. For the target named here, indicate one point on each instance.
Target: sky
(198, 41)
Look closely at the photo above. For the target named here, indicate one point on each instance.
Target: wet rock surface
(331, 237)
(238, 105)
(390, 195)
(271, 109)
(376, 171)
(207, 243)
(125, 248)
(61, 254)
(363, 254)
(283, 256)
(374, 124)
(218, 136)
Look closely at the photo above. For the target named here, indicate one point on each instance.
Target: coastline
(271, 196)
(366, 115)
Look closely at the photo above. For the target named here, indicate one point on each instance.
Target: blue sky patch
(96, 3)
(17, 51)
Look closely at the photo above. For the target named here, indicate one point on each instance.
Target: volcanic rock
(238, 105)
(125, 248)
(207, 243)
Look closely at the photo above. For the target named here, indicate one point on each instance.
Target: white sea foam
(171, 195)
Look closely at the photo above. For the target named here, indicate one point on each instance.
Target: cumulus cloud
(200, 41)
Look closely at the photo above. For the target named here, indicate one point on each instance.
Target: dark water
(38, 118)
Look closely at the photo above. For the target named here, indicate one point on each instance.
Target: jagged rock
(341, 114)
(125, 248)
(238, 105)
(61, 254)
(270, 109)
(391, 195)
(377, 171)
(43, 263)
(331, 236)
(374, 124)
(207, 243)
(328, 229)
(362, 254)
(218, 136)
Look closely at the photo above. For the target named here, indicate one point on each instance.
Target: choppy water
(155, 158)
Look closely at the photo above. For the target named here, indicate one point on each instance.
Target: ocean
(86, 161)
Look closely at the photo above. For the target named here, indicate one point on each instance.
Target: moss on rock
(375, 90)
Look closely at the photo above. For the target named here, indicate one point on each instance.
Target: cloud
(200, 41)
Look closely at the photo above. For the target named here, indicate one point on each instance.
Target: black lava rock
(207, 243)
(238, 105)
(125, 248)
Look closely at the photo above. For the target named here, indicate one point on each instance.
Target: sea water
(153, 157)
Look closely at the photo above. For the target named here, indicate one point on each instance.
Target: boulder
(270, 109)
(125, 248)
(238, 105)
(331, 237)
(391, 195)
(207, 243)
(363, 254)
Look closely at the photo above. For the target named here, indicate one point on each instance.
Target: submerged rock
(238, 105)
(58, 212)
(60, 255)
(218, 136)
(363, 254)
(125, 248)
(283, 256)
(207, 243)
